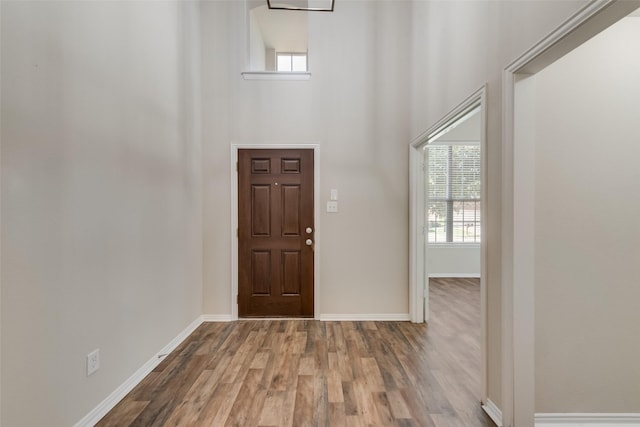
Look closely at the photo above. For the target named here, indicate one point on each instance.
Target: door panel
(261, 210)
(275, 207)
(291, 272)
(291, 210)
(261, 272)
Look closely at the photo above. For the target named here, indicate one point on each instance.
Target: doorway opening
(277, 42)
(448, 192)
(525, 255)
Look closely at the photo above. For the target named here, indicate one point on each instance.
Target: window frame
(292, 55)
(450, 202)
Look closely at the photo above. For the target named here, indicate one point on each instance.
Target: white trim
(450, 245)
(587, 420)
(523, 248)
(484, 185)
(493, 411)
(456, 142)
(418, 250)
(507, 250)
(234, 232)
(455, 275)
(249, 319)
(517, 288)
(118, 394)
(571, 34)
(234, 219)
(418, 286)
(381, 317)
(276, 75)
(216, 318)
(472, 101)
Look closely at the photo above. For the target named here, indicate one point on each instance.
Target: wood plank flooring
(310, 373)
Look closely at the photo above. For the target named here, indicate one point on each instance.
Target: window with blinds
(453, 193)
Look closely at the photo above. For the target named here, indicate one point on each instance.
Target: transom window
(453, 195)
(288, 62)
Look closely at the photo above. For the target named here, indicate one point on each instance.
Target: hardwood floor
(305, 372)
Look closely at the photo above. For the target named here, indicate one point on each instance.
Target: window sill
(449, 245)
(275, 75)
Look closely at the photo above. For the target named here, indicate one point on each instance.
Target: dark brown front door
(275, 233)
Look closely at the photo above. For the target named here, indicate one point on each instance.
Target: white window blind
(453, 193)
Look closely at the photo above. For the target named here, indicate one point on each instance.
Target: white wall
(257, 48)
(457, 46)
(360, 119)
(101, 198)
(586, 222)
(453, 260)
(115, 73)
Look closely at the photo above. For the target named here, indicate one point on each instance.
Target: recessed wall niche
(277, 39)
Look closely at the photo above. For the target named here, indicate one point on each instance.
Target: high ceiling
(282, 30)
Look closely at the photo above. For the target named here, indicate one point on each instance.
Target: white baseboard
(118, 394)
(216, 318)
(588, 420)
(382, 317)
(455, 275)
(493, 411)
(388, 317)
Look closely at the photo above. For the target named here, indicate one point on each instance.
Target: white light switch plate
(332, 207)
(334, 194)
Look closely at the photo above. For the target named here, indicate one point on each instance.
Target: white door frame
(418, 291)
(234, 219)
(518, 179)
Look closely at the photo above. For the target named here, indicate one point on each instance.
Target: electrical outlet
(93, 361)
(332, 207)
